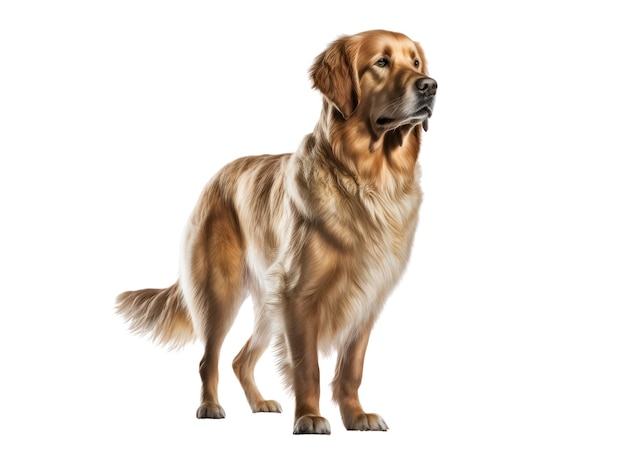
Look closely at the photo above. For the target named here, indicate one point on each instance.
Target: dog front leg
(346, 385)
(302, 338)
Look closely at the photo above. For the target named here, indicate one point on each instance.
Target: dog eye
(382, 62)
(417, 63)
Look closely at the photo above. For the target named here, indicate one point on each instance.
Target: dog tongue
(425, 125)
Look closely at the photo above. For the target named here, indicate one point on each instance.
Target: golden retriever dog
(317, 238)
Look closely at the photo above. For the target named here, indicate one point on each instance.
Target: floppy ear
(334, 74)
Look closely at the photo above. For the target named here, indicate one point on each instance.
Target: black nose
(427, 86)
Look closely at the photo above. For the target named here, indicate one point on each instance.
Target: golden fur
(317, 238)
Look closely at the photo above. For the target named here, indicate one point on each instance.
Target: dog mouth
(421, 114)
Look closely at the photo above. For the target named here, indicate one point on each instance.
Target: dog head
(379, 76)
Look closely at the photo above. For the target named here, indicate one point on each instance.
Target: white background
(506, 336)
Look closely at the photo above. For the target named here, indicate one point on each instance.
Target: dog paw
(372, 422)
(316, 425)
(267, 406)
(210, 411)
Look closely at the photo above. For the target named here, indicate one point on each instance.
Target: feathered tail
(159, 313)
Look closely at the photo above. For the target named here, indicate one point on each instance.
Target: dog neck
(372, 157)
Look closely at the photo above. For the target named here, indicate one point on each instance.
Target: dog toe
(267, 406)
(210, 411)
(317, 425)
(369, 422)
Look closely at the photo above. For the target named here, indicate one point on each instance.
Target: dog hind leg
(215, 288)
(246, 360)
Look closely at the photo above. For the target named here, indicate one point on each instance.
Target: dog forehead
(380, 43)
